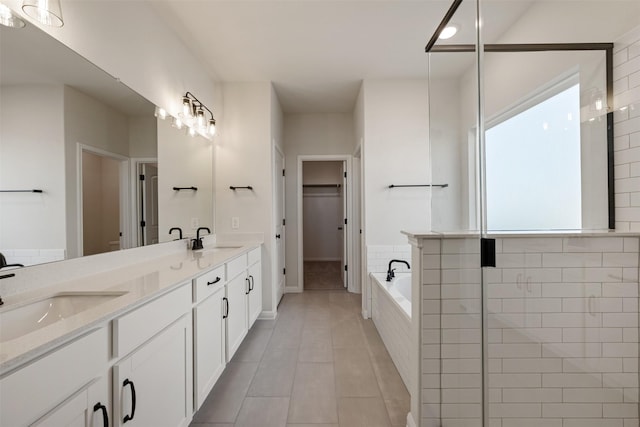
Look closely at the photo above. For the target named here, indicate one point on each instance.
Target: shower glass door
(546, 334)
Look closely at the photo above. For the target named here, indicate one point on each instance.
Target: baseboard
(268, 315)
(365, 314)
(292, 290)
(410, 421)
(322, 259)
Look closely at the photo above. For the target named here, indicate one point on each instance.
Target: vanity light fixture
(47, 12)
(448, 32)
(161, 113)
(8, 18)
(194, 115)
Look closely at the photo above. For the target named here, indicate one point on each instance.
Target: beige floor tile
(313, 399)
(355, 376)
(194, 424)
(263, 412)
(275, 374)
(362, 412)
(264, 324)
(398, 410)
(312, 425)
(370, 332)
(224, 402)
(253, 346)
(348, 333)
(379, 354)
(316, 344)
(390, 381)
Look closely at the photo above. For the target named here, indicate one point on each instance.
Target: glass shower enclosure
(536, 308)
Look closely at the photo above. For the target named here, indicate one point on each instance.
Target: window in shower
(533, 163)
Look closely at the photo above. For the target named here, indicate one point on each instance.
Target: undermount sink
(18, 321)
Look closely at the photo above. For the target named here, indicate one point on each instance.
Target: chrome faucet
(390, 271)
(197, 242)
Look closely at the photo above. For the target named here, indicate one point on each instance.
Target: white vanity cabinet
(152, 385)
(235, 310)
(209, 332)
(60, 388)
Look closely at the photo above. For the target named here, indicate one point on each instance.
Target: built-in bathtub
(391, 314)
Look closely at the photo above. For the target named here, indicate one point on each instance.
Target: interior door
(149, 199)
(345, 226)
(280, 226)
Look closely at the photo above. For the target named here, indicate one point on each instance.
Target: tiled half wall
(562, 332)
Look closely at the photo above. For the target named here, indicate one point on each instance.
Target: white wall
(183, 161)
(143, 136)
(309, 134)
(244, 157)
(32, 157)
(88, 122)
(396, 152)
(626, 74)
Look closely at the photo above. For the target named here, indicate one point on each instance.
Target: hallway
(322, 275)
(318, 365)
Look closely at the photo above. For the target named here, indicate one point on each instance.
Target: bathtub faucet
(390, 271)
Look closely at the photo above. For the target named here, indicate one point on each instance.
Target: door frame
(125, 208)
(347, 159)
(134, 189)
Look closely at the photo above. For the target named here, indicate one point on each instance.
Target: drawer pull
(105, 416)
(248, 286)
(252, 283)
(226, 307)
(133, 400)
(214, 282)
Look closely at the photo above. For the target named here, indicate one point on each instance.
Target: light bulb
(212, 127)
(177, 123)
(186, 107)
(448, 32)
(200, 117)
(9, 19)
(47, 12)
(192, 131)
(161, 113)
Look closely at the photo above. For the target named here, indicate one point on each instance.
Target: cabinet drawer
(32, 391)
(136, 327)
(254, 255)
(208, 283)
(236, 266)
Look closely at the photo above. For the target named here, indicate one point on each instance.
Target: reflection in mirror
(72, 131)
(185, 184)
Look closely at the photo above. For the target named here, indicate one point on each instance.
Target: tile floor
(323, 275)
(318, 365)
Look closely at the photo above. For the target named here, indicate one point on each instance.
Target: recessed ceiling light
(448, 32)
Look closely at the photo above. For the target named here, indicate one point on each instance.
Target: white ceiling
(318, 52)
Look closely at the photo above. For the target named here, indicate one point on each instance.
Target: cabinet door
(237, 291)
(87, 408)
(255, 296)
(153, 386)
(209, 344)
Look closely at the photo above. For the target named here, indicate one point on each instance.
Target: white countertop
(141, 281)
(520, 234)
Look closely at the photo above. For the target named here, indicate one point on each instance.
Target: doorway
(323, 209)
(103, 201)
(146, 201)
(279, 220)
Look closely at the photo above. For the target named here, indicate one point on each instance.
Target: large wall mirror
(85, 166)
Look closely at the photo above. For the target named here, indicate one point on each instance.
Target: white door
(149, 204)
(209, 348)
(153, 387)
(280, 223)
(236, 313)
(356, 228)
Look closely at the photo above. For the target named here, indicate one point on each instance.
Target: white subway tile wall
(626, 75)
(557, 319)
(562, 332)
(28, 257)
(378, 257)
